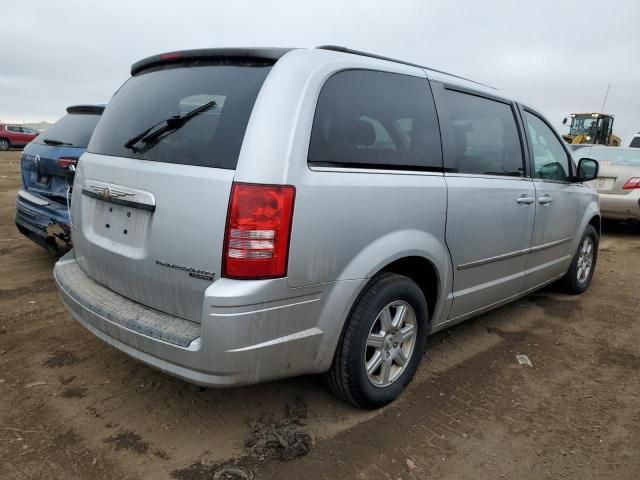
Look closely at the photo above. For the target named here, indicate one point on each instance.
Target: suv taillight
(256, 241)
(633, 182)
(66, 162)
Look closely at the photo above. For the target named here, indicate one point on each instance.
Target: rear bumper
(43, 221)
(233, 345)
(621, 207)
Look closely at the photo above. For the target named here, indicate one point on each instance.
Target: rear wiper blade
(153, 134)
(51, 141)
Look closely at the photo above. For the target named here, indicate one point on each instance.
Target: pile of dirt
(282, 439)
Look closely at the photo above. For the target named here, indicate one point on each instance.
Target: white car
(634, 141)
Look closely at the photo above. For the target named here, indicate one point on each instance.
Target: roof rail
(338, 48)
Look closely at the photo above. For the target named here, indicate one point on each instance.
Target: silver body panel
(485, 247)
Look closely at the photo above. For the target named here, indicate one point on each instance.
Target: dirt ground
(72, 407)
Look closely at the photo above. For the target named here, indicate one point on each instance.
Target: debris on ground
(232, 472)
(299, 410)
(128, 440)
(524, 360)
(61, 358)
(35, 384)
(284, 439)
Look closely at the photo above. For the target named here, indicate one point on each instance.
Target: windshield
(225, 90)
(614, 156)
(74, 129)
(583, 125)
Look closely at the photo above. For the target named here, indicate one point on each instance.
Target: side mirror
(564, 121)
(587, 170)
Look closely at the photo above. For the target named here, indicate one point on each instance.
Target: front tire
(580, 273)
(382, 343)
(4, 144)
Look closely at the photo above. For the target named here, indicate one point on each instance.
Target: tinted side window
(550, 160)
(368, 119)
(483, 136)
(635, 142)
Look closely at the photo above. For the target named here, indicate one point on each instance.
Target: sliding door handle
(545, 200)
(524, 199)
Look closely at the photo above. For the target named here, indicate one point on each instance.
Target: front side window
(369, 119)
(483, 136)
(550, 160)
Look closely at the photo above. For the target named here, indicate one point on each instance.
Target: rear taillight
(256, 241)
(66, 162)
(633, 182)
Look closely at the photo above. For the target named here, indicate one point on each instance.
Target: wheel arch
(596, 222)
(423, 272)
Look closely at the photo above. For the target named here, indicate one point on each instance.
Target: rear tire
(580, 273)
(4, 144)
(382, 343)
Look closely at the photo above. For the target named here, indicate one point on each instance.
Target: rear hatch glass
(210, 139)
(72, 130)
(42, 173)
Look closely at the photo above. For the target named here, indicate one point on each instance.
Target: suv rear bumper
(43, 221)
(234, 345)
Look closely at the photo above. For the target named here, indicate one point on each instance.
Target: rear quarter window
(635, 142)
(380, 120)
(211, 139)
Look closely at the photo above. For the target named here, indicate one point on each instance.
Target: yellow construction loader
(595, 128)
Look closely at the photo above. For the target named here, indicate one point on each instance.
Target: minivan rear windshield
(227, 89)
(72, 130)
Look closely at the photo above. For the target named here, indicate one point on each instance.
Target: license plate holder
(603, 183)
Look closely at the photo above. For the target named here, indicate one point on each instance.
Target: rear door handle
(526, 200)
(545, 200)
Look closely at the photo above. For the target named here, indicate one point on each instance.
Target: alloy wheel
(390, 343)
(585, 259)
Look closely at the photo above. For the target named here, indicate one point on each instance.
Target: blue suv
(48, 164)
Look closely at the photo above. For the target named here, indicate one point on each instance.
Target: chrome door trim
(550, 244)
(505, 256)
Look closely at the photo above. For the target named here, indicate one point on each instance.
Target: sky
(556, 56)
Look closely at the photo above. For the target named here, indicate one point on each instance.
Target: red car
(15, 136)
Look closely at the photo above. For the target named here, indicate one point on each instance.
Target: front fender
(592, 210)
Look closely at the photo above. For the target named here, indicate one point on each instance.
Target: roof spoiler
(265, 54)
(94, 109)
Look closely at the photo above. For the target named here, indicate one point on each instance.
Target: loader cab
(592, 128)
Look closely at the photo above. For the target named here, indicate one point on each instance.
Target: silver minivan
(243, 215)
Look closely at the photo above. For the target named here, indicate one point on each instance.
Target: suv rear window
(369, 119)
(210, 139)
(73, 128)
